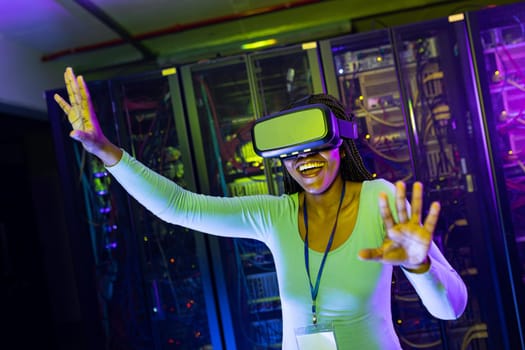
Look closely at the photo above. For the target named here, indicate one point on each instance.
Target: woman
(334, 247)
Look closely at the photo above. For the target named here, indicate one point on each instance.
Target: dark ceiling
(98, 33)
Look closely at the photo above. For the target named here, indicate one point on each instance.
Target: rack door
(224, 97)
(220, 101)
(361, 71)
(174, 264)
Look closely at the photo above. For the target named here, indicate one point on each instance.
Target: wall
(24, 78)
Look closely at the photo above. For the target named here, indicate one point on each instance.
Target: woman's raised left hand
(407, 241)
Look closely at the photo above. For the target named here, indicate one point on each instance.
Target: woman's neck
(327, 201)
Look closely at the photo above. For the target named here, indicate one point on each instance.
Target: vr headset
(300, 130)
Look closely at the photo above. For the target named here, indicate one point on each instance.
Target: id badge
(316, 337)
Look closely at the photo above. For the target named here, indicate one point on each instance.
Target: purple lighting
(111, 245)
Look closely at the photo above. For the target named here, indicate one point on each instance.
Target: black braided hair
(352, 165)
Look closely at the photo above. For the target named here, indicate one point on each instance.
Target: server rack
(498, 50)
(79, 205)
(410, 88)
(223, 98)
(153, 280)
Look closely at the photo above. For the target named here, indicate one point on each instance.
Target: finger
(386, 213)
(73, 118)
(417, 202)
(62, 103)
(432, 217)
(401, 202)
(72, 87)
(86, 105)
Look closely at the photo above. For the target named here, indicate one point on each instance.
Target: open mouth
(309, 166)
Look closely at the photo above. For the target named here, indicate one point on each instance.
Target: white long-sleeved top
(354, 295)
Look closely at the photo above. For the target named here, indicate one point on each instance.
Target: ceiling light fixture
(259, 44)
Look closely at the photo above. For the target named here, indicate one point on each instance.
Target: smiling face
(315, 172)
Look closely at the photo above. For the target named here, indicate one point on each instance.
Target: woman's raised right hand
(81, 115)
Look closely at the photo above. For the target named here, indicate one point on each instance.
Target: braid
(352, 165)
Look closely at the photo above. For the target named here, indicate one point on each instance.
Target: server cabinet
(364, 72)
(223, 98)
(153, 279)
(498, 49)
(431, 59)
(93, 267)
(176, 269)
(411, 91)
(361, 71)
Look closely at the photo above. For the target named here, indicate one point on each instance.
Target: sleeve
(240, 217)
(441, 289)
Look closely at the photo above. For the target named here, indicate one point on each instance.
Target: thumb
(370, 254)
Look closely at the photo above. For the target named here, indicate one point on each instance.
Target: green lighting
(259, 44)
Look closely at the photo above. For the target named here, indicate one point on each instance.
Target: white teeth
(310, 165)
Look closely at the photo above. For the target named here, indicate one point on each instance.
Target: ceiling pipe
(89, 6)
(177, 28)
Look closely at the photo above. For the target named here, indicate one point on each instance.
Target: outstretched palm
(407, 241)
(80, 112)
